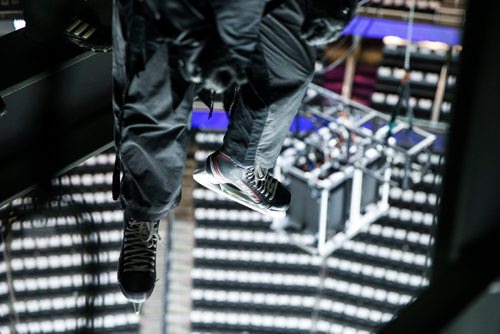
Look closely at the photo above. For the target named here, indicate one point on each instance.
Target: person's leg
(264, 108)
(261, 115)
(152, 118)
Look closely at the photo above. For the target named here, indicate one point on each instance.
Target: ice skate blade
(137, 307)
(206, 180)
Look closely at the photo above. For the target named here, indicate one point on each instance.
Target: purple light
(379, 28)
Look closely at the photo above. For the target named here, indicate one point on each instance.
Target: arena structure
(391, 163)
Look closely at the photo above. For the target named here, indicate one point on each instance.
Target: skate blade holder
(208, 181)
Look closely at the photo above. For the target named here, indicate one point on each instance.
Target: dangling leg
(262, 114)
(152, 118)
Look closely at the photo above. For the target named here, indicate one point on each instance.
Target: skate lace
(262, 181)
(139, 248)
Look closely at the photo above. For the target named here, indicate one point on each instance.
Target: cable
(409, 36)
(404, 89)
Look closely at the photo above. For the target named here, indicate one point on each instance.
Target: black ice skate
(137, 263)
(253, 187)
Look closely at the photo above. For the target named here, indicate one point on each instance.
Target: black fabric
(325, 20)
(152, 117)
(153, 102)
(281, 69)
(47, 19)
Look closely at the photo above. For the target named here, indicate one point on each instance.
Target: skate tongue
(260, 173)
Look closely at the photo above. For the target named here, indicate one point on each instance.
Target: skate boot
(253, 187)
(137, 263)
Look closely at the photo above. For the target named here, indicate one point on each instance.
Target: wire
(404, 90)
(409, 36)
(347, 53)
(339, 61)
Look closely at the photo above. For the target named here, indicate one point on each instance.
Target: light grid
(62, 257)
(248, 278)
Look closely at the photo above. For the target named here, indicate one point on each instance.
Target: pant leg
(264, 108)
(152, 107)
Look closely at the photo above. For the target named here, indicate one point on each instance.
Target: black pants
(152, 105)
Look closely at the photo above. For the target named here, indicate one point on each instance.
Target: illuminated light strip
(73, 25)
(59, 282)
(252, 256)
(68, 302)
(272, 299)
(279, 280)
(85, 179)
(101, 159)
(427, 178)
(385, 252)
(81, 29)
(255, 277)
(283, 258)
(201, 156)
(234, 214)
(261, 237)
(99, 197)
(269, 321)
(209, 138)
(60, 261)
(355, 246)
(417, 217)
(70, 324)
(333, 263)
(98, 217)
(400, 234)
(19, 24)
(205, 194)
(63, 240)
(89, 33)
(245, 319)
